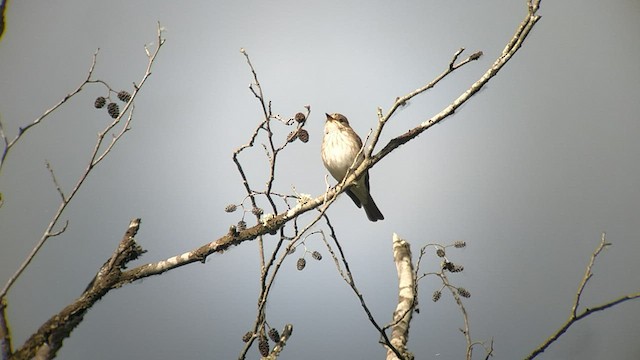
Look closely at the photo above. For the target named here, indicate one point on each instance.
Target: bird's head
(337, 117)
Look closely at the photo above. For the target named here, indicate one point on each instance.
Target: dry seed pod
(113, 110)
(100, 102)
(301, 263)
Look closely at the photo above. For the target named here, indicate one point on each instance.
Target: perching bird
(340, 145)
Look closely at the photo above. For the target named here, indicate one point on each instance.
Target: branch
(466, 331)
(348, 278)
(575, 316)
(8, 144)
(588, 274)
(512, 47)
(267, 282)
(286, 334)
(48, 339)
(263, 125)
(55, 181)
(402, 100)
(5, 334)
(95, 159)
(406, 298)
(271, 151)
(456, 291)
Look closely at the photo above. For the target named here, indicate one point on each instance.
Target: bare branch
(348, 278)
(268, 281)
(406, 298)
(96, 158)
(270, 148)
(262, 126)
(457, 292)
(402, 100)
(512, 47)
(588, 273)
(466, 331)
(55, 181)
(48, 339)
(575, 316)
(8, 144)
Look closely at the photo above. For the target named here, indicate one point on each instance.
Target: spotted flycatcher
(340, 146)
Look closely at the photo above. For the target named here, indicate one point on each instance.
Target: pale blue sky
(529, 173)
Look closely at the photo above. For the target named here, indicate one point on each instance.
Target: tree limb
(406, 298)
(47, 341)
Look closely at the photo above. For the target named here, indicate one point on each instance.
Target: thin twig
(588, 273)
(456, 292)
(262, 126)
(55, 181)
(466, 331)
(267, 282)
(8, 144)
(402, 100)
(348, 278)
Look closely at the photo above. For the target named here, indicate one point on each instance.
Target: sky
(529, 173)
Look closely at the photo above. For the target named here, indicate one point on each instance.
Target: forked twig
(575, 315)
(8, 144)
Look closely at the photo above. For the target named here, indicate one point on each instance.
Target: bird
(340, 146)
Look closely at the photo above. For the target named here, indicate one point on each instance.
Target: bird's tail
(373, 213)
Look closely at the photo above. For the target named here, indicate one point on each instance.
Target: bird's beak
(329, 117)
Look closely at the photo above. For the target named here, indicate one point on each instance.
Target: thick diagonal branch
(48, 339)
